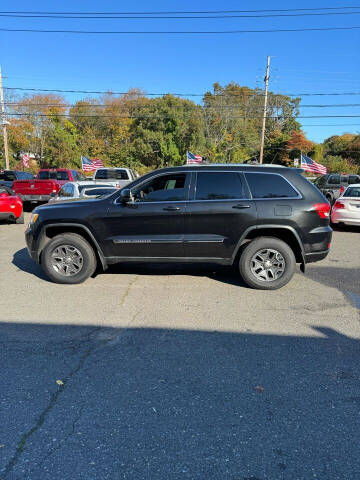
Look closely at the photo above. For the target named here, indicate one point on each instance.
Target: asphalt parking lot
(170, 372)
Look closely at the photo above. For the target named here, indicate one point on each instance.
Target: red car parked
(11, 207)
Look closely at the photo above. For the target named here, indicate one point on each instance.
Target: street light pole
(266, 80)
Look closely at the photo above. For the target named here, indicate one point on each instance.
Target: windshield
(352, 192)
(107, 174)
(47, 175)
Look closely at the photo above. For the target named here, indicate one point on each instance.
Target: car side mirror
(126, 196)
(53, 194)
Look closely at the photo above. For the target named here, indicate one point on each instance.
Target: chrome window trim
(298, 197)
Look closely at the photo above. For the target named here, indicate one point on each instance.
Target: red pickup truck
(47, 181)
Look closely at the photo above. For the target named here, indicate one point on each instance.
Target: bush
(337, 164)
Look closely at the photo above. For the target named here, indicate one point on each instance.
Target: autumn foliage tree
(145, 133)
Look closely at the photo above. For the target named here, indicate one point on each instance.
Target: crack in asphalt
(62, 442)
(53, 399)
(127, 291)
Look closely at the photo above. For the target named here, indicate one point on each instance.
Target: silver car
(72, 190)
(347, 207)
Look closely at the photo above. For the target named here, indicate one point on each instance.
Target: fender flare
(42, 238)
(271, 226)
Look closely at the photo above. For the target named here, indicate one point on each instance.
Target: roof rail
(271, 165)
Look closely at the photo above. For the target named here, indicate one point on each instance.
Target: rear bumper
(348, 217)
(316, 256)
(34, 198)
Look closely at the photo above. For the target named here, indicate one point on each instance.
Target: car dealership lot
(179, 371)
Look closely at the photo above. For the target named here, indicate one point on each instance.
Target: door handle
(171, 209)
(241, 206)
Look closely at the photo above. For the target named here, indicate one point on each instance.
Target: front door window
(164, 188)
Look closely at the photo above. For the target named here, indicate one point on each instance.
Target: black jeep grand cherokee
(264, 219)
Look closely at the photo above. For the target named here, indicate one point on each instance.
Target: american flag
(25, 159)
(90, 165)
(310, 165)
(191, 158)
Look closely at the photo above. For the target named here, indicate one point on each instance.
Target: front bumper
(7, 216)
(30, 244)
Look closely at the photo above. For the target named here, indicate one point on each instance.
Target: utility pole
(266, 80)
(4, 124)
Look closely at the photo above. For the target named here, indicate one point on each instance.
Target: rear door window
(269, 185)
(219, 186)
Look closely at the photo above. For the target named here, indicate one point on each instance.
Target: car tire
(20, 219)
(330, 199)
(260, 274)
(72, 248)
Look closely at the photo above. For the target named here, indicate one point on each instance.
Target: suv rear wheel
(68, 258)
(267, 263)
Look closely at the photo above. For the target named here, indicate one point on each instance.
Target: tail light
(339, 205)
(322, 209)
(342, 190)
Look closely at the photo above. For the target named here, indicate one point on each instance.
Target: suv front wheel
(68, 258)
(267, 263)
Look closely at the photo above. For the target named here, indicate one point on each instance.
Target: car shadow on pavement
(224, 274)
(24, 262)
(105, 403)
(346, 280)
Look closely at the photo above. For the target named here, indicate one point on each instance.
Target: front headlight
(33, 218)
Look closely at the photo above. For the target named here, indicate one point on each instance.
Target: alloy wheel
(67, 260)
(267, 265)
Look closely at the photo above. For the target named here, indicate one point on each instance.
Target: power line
(179, 32)
(187, 12)
(276, 117)
(170, 17)
(236, 105)
(176, 94)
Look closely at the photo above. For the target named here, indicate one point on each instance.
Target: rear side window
(46, 175)
(354, 179)
(219, 186)
(334, 180)
(269, 185)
